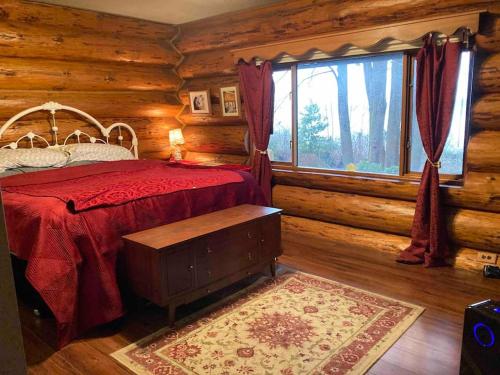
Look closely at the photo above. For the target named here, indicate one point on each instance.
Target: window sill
(411, 179)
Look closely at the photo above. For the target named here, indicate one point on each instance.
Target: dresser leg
(273, 268)
(171, 315)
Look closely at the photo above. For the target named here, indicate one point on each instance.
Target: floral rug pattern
(296, 324)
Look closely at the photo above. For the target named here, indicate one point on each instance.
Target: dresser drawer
(228, 251)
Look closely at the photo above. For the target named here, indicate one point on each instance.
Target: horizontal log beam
(488, 39)
(486, 186)
(144, 127)
(216, 158)
(483, 152)
(218, 62)
(304, 237)
(480, 192)
(488, 77)
(158, 155)
(207, 64)
(97, 104)
(152, 133)
(159, 147)
(149, 127)
(307, 17)
(347, 209)
(217, 139)
(486, 112)
(22, 40)
(215, 119)
(466, 227)
(320, 234)
(212, 83)
(15, 11)
(36, 74)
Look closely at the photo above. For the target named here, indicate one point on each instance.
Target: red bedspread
(68, 225)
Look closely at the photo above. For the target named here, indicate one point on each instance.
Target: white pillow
(32, 157)
(8, 159)
(97, 152)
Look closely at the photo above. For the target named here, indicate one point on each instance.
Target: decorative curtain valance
(406, 32)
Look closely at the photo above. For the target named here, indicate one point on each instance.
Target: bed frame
(52, 107)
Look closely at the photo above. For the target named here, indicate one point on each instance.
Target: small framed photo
(230, 101)
(200, 102)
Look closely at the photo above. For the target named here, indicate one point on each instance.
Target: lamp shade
(176, 137)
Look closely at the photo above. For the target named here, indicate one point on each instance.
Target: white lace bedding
(19, 170)
(97, 152)
(56, 157)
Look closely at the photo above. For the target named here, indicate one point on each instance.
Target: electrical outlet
(485, 257)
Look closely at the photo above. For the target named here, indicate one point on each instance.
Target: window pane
(453, 154)
(349, 113)
(279, 143)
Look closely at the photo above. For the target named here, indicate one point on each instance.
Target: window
(281, 140)
(352, 115)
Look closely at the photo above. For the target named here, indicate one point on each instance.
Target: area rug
(296, 324)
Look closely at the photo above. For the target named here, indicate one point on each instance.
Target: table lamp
(176, 139)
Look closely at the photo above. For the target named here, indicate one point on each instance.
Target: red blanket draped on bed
(68, 225)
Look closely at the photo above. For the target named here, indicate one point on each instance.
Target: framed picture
(200, 102)
(230, 101)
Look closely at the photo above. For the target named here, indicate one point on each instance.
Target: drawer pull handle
(191, 267)
(249, 235)
(249, 256)
(262, 241)
(209, 250)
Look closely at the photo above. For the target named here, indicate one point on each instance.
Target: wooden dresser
(174, 264)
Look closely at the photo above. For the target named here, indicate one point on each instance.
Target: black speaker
(480, 342)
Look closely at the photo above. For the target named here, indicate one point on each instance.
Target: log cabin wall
(115, 68)
(329, 213)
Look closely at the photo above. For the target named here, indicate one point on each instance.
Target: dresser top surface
(180, 231)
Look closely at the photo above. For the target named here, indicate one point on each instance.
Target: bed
(66, 222)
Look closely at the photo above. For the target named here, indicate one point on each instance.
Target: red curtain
(257, 88)
(437, 74)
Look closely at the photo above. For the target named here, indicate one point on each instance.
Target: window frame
(405, 173)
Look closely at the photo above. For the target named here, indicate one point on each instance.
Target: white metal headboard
(52, 107)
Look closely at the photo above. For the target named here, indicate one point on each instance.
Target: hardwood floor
(430, 346)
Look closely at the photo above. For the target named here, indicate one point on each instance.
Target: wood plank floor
(430, 346)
